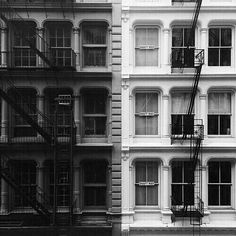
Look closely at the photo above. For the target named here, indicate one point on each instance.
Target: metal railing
(194, 130)
(59, 58)
(186, 57)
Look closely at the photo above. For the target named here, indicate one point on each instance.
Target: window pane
(140, 172)
(188, 173)
(140, 102)
(152, 171)
(151, 57)
(213, 124)
(219, 103)
(187, 32)
(140, 125)
(152, 37)
(188, 194)
(213, 56)
(94, 35)
(140, 195)
(177, 124)
(226, 37)
(188, 122)
(94, 196)
(225, 125)
(177, 37)
(225, 173)
(213, 195)
(177, 172)
(140, 57)
(94, 56)
(152, 197)
(180, 102)
(214, 37)
(225, 195)
(95, 172)
(152, 125)
(225, 57)
(176, 194)
(140, 37)
(95, 103)
(213, 170)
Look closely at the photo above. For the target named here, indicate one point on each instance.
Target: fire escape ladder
(44, 130)
(39, 202)
(63, 160)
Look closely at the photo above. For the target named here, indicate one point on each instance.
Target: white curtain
(180, 103)
(146, 43)
(219, 103)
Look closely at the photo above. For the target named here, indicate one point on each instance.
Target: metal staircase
(192, 130)
(59, 144)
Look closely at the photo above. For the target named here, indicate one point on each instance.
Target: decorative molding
(125, 154)
(166, 168)
(125, 15)
(125, 83)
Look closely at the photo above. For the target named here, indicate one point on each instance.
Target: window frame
(95, 185)
(148, 114)
(220, 114)
(88, 92)
(183, 115)
(183, 183)
(219, 47)
(183, 47)
(21, 47)
(219, 184)
(84, 46)
(147, 47)
(52, 28)
(18, 168)
(148, 183)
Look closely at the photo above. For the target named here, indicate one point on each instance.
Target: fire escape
(190, 129)
(61, 145)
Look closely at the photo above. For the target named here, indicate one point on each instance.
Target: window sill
(220, 136)
(147, 209)
(215, 209)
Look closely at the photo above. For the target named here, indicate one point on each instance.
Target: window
(181, 55)
(146, 113)
(63, 183)
(23, 44)
(95, 183)
(146, 46)
(220, 44)
(25, 174)
(63, 111)
(26, 99)
(94, 43)
(219, 183)
(181, 122)
(146, 183)
(59, 35)
(219, 113)
(95, 112)
(182, 187)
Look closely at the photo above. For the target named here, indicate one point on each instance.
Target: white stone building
(155, 92)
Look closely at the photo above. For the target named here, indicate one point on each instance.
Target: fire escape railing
(39, 201)
(190, 128)
(47, 128)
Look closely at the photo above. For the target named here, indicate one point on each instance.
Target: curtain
(180, 102)
(146, 43)
(219, 103)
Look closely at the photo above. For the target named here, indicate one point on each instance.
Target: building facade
(60, 143)
(157, 86)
